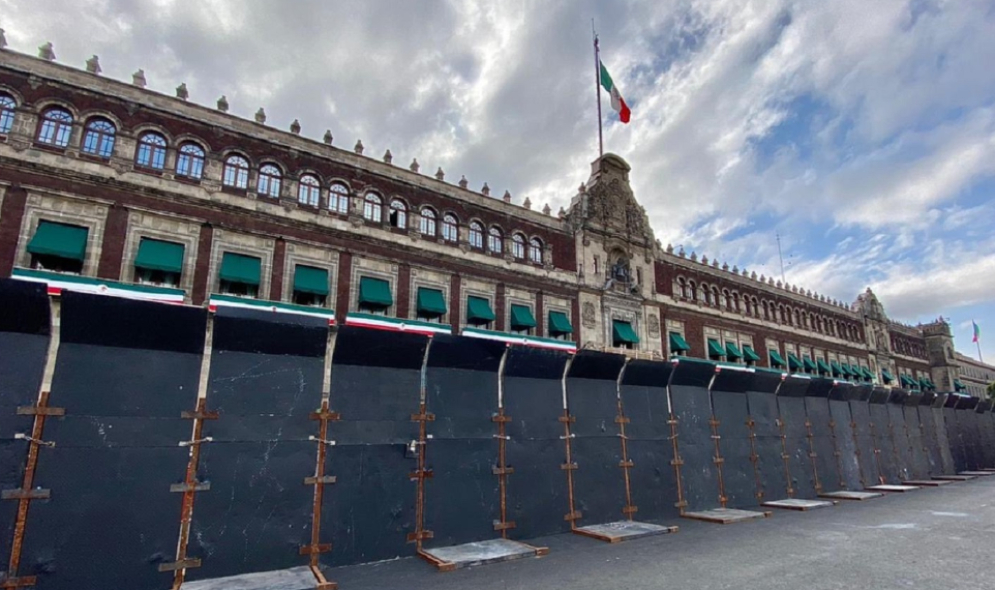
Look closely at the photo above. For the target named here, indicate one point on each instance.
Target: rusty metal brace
(190, 443)
(37, 441)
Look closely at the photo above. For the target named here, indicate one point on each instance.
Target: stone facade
(598, 262)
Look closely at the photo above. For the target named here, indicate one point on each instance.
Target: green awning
(959, 385)
(522, 318)
(59, 239)
(237, 268)
(714, 348)
(431, 302)
(923, 383)
(887, 376)
(837, 369)
(809, 364)
(867, 373)
(308, 279)
(732, 353)
(775, 359)
(478, 310)
(906, 381)
(623, 332)
(845, 367)
(823, 367)
(794, 363)
(677, 343)
(559, 324)
(749, 354)
(159, 255)
(931, 384)
(374, 292)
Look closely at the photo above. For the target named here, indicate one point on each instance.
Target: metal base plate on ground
(850, 495)
(977, 473)
(926, 483)
(726, 515)
(954, 477)
(297, 578)
(613, 532)
(480, 553)
(892, 488)
(798, 504)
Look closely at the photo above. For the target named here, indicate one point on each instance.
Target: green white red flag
(618, 103)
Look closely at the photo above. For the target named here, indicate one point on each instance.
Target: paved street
(928, 539)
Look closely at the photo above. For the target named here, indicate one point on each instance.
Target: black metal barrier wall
(731, 412)
(768, 453)
(822, 434)
(691, 406)
(848, 458)
(931, 444)
(884, 437)
(918, 453)
(791, 406)
(864, 436)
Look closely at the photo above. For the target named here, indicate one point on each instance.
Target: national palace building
(111, 187)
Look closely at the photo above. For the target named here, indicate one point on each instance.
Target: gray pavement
(939, 538)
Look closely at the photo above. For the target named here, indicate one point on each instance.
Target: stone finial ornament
(462, 182)
(46, 52)
(527, 203)
(507, 197)
(694, 256)
(388, 157)
(715, 263)
(414, 165)
(138, 78)
(295, 127)
(93, 65)
(439, 174)
(562, 213)
(182, 92)
(223, 104)
(3, 39)
(725, 266)
(704, 259)
(582, 188)
(735, 269)
(546, 210)
(681, 252)
(485, 190)
(328, 137)
(261, 115)
(753, 275)
(763, 279)
(358, 148)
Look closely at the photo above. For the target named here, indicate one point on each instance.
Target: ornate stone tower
(876, 331)
(940, 348)
(615, 250)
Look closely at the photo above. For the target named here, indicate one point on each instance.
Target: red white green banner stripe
(618, 103)
(379, 322)
(533, 341)
(217, 301)
(58, 282)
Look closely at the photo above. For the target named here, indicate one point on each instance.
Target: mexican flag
(618, 103)
(977, 332)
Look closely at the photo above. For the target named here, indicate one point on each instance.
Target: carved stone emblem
(588, 316)
(653, 325)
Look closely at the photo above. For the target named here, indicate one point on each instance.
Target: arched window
(734, 303)
(495, 240)
(236, 172)
(535, 250)
(780, 314)
(724, 300)
(706, 294)
(767, 311)
(151, 151)
(7, 106)
(476, 235)
(427, 224)
(692, 291)
(190, 161)
(795, 318)
(56, 127)
(270, 179)
(518, 246)
(450, 228)
(682, 288)
(99, 137)
(338, 198)
(309, 191)
(398, 214)
(372, 208)
(756, 307)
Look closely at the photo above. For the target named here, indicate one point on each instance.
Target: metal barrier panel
(900, 434)
(24, 339)
(969, 432)
(919, 466)
(652, 477)
(986, 436)
(860, 411)
(823, 436)
(849, 458)
(884, 440)
(592, 399)
(769, 447)
(533, 398)
(462, 499)
(690, 403)
(934, 462)
(791, 408)
(125, 372)
(265, 379)
(943, 437)
(731, 414)
(375, 388)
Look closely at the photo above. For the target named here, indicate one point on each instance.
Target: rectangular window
(430, 304)
(239, 275)
(374, 295)
(159, 262)
(310, 285)
(623, 336)
(479, 312)
(559, 326)
(58, 247)
(522, 320)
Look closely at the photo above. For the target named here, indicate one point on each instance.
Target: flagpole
(597, 88)
(977, 339)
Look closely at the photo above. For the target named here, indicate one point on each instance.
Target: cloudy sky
(862, 133)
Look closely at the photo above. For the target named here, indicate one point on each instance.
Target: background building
(110, 186)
